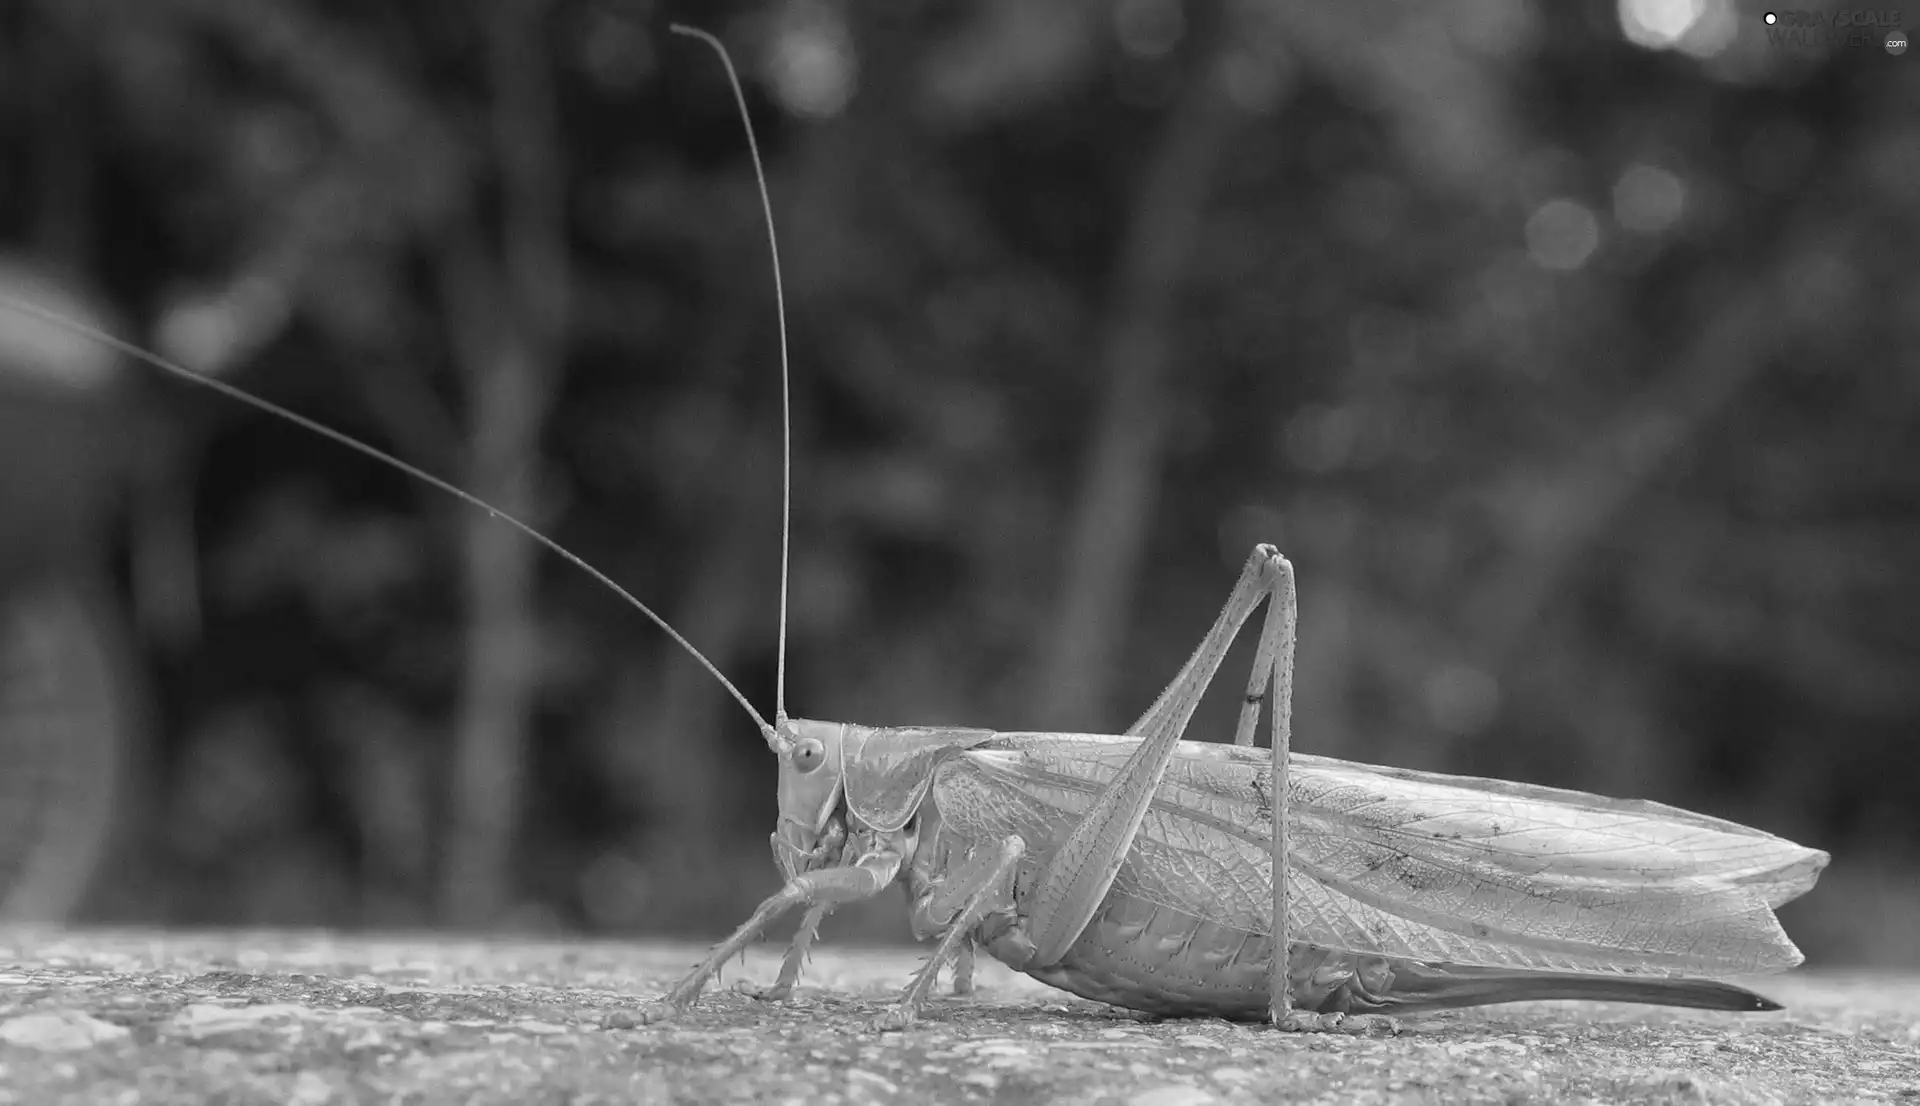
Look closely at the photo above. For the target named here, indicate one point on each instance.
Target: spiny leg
(829, 887)
(950, 883)
(986, 889)
(963, 958)
(795, 959)
(1081, 872)
(1268, 576)
(1272, 675)
(1256, 584)
(1078, 875)
(1273, 668)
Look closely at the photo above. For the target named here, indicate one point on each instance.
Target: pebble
(1471, 1048)
(205, 1019)
(61, 1031)
(867, 1081)
(1174, 1094)
(310, 1089)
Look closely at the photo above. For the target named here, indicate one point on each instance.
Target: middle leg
(985, 888)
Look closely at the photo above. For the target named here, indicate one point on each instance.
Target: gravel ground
(149, 1017)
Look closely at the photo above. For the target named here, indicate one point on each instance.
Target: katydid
(1143, 870)
(1139, 869)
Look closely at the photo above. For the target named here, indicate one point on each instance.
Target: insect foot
(779, 991)
(894, 1019)
(653, 1013)
(1358, 1025)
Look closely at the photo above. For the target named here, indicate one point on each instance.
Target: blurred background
(1567, 349)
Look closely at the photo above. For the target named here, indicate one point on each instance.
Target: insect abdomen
(1147, 957)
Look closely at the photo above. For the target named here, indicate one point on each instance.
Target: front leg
(830, 887)
(791, 964)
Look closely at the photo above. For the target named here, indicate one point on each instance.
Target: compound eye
(808, 754)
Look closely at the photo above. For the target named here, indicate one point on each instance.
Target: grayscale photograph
(1107, 552)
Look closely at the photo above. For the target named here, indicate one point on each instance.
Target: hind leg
(1358, 1025)
(1324, 984)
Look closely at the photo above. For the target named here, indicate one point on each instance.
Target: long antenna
(54, 317)
(786, 373)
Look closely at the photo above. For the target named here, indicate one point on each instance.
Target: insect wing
(1453, 870)
(1778, 869)
(1198, 852)
(1417, 865)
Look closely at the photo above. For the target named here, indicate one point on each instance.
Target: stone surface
(138, 1017)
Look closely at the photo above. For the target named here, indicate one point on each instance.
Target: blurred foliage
(1578, 378)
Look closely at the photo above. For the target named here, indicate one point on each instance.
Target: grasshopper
(1188, 878)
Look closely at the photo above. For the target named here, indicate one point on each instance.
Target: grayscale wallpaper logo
(1852, 28)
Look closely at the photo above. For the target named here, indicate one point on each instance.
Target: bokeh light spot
(1562, 234)
(1702, 28)
(1149, 28)
(814, 67)
(1320, 438)
(1648, 198)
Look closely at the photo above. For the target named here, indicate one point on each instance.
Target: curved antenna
(786, 373)
(54, 317)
